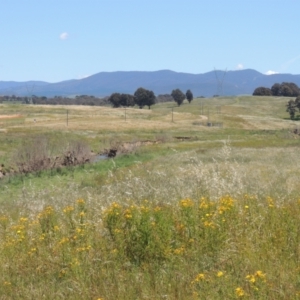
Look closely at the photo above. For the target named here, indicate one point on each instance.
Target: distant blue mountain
(161, 82)
(17, 88)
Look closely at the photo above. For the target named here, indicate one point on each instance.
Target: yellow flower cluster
(204, 203)
(258, 275)
(68, 209)
(220, 274)
(63, 241)
(270, 202)
(198, 278)
(128, 214)
(225, 203)
(80, 201)
(49, 210)
(185, 203)
(179, 250)
(209, 224)
(114, 209)
(252, 279)
(240, 292)
(83, 249)
(32, 251)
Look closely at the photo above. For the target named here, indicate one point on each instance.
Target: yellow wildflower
(186, 203)
(260, 274)
(128, 215)
(198, 278)
(42, 237)
(68, 209)
(251, 278)
(64, 241)
(203, 203)
(220, 274)
(209, 224)
(239, 292)
(80, 201)
(144, 209)
(115, 205)
(179, 251)
(56, 228)
(23, 220)
(270, 202)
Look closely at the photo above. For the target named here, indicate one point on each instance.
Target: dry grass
(245, 112)
(211, 173)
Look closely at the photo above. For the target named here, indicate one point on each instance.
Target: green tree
(297, 102)
(276, 89)
(115, 99)
(286, 89)
(189, 95)
(127, 100)
(144, 97)
(262, 91)
(178, 96)
(291, 108)
(289, 89)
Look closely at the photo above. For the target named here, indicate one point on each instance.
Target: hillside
(161, 82)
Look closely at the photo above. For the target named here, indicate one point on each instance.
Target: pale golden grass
(240, 112)
(258, 172)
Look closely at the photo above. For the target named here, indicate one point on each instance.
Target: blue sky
(55, 40)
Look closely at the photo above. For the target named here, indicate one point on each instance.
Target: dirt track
(10, 116)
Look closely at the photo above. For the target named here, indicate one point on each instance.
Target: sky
(56, 40)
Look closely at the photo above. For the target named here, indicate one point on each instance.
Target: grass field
(188, 211)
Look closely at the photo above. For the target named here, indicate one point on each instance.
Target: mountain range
(102, 84)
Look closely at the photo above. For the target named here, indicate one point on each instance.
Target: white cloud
(270, 72)
(240, 67)
(83, 76)
(64, 36)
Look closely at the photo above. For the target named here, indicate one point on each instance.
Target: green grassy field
(186, 211)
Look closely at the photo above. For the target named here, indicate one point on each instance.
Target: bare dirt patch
(10, 116)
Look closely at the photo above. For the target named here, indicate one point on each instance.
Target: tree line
(142, 97)
(285, 89)
(57, 100)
